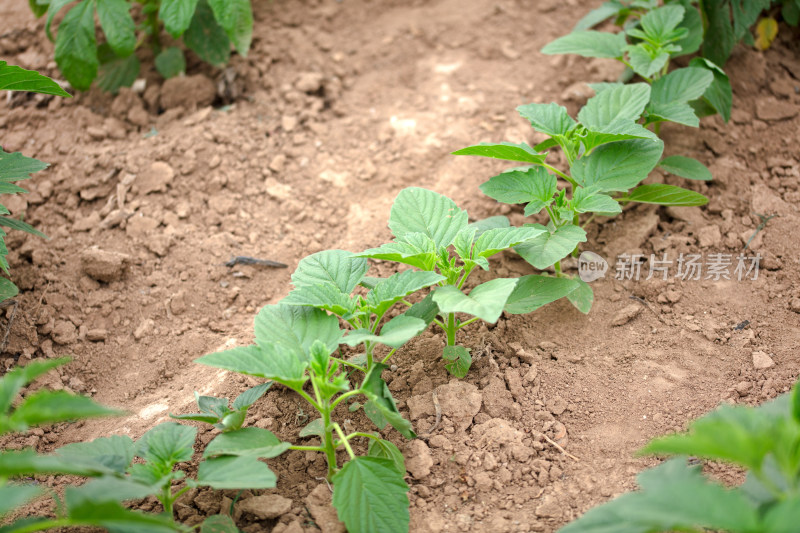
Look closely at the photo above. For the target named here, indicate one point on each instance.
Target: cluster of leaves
(677, 497)
(15, 166)
(609, 152)
(207, 27)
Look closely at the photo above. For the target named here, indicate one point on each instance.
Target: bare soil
(301, 147)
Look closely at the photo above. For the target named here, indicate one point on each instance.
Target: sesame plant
(433, 235)
(294, 347)
(207, 27)
(608, 152)
(676, 496)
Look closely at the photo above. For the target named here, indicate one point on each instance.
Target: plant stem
(330, 450)
(46, 524)
(563, 175)
(344, 396)
(167, 499)
(451, 329)
(152, 22)
(307, 448)
(360, 434)
(344, 440)
(467, 322)
(557, 267)
(383, 361)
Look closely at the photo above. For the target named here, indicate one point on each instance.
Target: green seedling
(608, 154)
(218, 413)
(434, 235)
(677, 497)
(651, 38)
(207, 27)
(293, 347)
(15, 166)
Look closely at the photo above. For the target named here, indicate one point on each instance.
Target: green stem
(343, 397)
(348, 363)
(467, 322)
(451, 329)
(439, 323)
(360, 434)
(47, 524)
(344, 441)
(558, 172)
(557, 267)
(152, 22)
(330, 449)
(588, 220)
(464, 276)
(383, 361)
(307, 448)
(368, 347)
(167, 499)
(645, 78)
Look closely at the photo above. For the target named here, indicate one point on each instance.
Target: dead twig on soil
(764, 219)
(10, 322)
(560, 448)
(438, 409)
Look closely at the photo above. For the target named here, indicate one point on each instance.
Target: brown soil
(338, 107)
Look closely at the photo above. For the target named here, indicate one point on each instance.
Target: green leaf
(582, 297)
(671, 94)
(296, 328)
(7, 289)
(13, 495)
(219, 524)
(535, 291)
(617, 166)
(552, 119)
(693, 24)
(394, 333)
(486, 224)
(109, 488)
(10, 188)
(236, 18)
(386, 450)
(322, 296)
(535, 186)
(344, 270)
(117, 73)
(795, 396)
(414, 249)
(619, 102)
(13, 223)
(504, 150)
(177, 15)
(686, 167)
(47, 407)
(76, 46)
(250, 441)
(619, 130)
(37, 8)
(645, 63)
(28, 462)
(170, 62)
(485, 301)
(83, 510)
(370, 495)
(20, 376)
(426, 309)
(598, 15)
(499, 239)
(673, 498)
(783, 516)
(53, 8)
(659, 23)
(315, 427)
(14, 78)
(198, 417)
(661, 194)
(459, 360)
(585, 201)
(167, 444)
(206, 37)
(376, 390)
(719, 94)
(270, 361)
(15, 166)
(118, 26)
(588, 43)
(397, 286)
(719, 39)
(543, 251)
(111, 454)
(249, 397)
(417, 210)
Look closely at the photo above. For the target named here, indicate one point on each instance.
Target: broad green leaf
(10, 188)
(499, 239)
(552, 119)
(235, 473)
(341, 269)
(426, 309)
(110, 488)
(671, 94)
(791, 12)
(13, 381)
(535, 185)
(37, 8)
(617, 166)
(177, 15)
(370, 495)
(417, 210)
(585, 201)
(218, 524)
(206, 37)
(674, 497)
(117, 73)
(198, 417)
(598, 15)
(270, 361)
(381, 398)
(620, 102)
(414, 249)
(686, 167)
(113, 454)
(170, 62)
(643, 62)
(719, 94)
(486, 224)
(322, 296)
(394, 333)
(232, 421)
(485, 301)
(14, 78)
(315, 427)
(13, 223)
(397, 286)
(619, 130)
(662, 194)
(167, 444)
(13, 495)
(236, 18)
(783, 516)
(582, 297)
(535, 291)
(249, 397)
(84, 510)
(463, 243)
(54, 6)
(7, 289)
(210, 404)
(719, 39)
(296, 328)
(250, 441)
(693, 23)
(28, 462)
(76, 46)
(47, 407)
(795, 396)
(588, 43)
(386, 450)
(118, 26)
(504, 150)
(15, 166)
(660, 22)
(458, 360)
(543, 251)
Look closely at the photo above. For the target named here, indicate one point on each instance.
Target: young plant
(608, 154)
(651, 38)
(15, 166)
(218, 413)
(208, 27)
(293, 347)
(434, 235)
(677, 497)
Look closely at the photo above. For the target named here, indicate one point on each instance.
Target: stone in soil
(418, 459)
(762, 361)
(321, 509)
(188, 91)
(626, 314)
(103, 265)
(267, 506)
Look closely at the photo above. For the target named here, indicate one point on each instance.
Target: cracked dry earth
(302, 146)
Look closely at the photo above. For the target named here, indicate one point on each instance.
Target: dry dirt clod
(762, 361)
(266, 507)
(64, 332)
(103, 265)
(626, 314)
(188, 91)
(156, 178)
(319, 505)
(418, 459)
